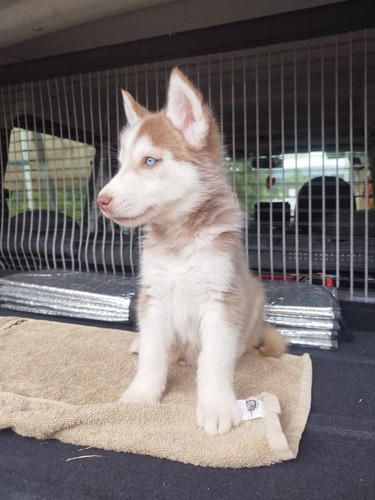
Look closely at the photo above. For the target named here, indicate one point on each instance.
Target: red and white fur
(198, 302)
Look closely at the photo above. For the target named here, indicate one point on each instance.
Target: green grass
(69, 202)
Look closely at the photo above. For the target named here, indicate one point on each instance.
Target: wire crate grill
(290, 114)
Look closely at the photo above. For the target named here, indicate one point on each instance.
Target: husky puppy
(198, 302)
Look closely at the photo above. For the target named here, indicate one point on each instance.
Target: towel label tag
(251, 408)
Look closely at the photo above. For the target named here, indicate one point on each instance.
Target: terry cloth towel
(63, 381)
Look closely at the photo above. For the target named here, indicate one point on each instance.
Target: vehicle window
(47, 172)
(281, 177)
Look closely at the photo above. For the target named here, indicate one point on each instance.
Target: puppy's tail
(273, 343)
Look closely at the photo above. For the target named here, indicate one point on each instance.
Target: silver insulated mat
(307, 315)
(93, 296)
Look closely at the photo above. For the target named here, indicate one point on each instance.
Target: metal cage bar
(289, 113)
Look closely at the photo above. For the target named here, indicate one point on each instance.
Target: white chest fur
(186, 284)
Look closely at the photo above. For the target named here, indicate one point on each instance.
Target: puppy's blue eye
(150, 161)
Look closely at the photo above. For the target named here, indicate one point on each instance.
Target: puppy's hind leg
(134, 347)
(272, 343)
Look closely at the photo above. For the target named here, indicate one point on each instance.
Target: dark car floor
(336, 458)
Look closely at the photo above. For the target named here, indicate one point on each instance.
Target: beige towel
(62, 381)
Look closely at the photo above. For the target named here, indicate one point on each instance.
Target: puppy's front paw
(219, 415)
(140, 394)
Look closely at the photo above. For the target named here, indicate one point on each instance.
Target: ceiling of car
(28, 19)
(33, 29)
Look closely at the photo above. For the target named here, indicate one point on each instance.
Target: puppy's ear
(134, 112)
(185, 109)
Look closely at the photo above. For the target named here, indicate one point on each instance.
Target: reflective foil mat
(307, 315)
